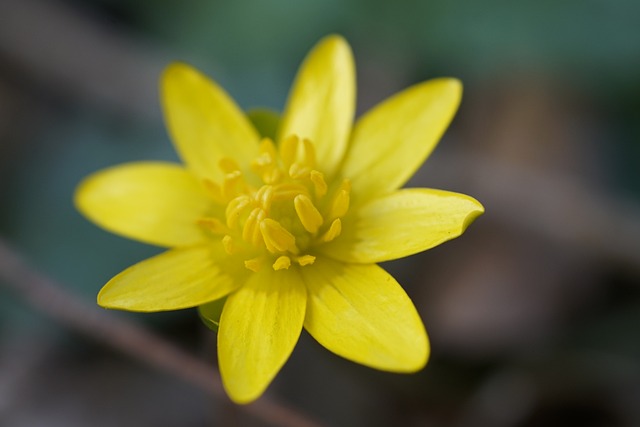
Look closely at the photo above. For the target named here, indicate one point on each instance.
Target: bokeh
(533, 313)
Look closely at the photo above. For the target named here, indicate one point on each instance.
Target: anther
(319, 184)
(272, 176)
(298, 171)
(268, 147)
(232, 181)
(264, 196)
(305, 260)
(251, 230)
(309, 153)
(214, 191)
(288, 191)
(289, 150)
(340, 203)
(229, 246)
(283, 262)
(265, 164)
(235, 209)
(309, 215)
(334, 231)
(276, 237)
(254, 264)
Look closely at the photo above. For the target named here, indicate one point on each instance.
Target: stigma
(279, 209)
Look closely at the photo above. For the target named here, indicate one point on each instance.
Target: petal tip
(337, 48)
(416, 359)
(334, 41)
(472, 215)
(451, 88)
(104, 301)
(174, 69)
(242, 397)
(80, 196)
(420, 361)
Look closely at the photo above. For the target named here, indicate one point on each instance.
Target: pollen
(279, 210)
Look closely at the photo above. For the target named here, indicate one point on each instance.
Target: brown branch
(50, 298)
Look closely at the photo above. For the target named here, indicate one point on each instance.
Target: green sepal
(265, 121)
(210, 313)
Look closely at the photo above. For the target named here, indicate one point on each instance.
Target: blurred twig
(79, 56)
(50, 298)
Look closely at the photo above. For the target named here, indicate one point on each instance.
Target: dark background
(533, 314)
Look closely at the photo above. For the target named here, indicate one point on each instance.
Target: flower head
(289, 229)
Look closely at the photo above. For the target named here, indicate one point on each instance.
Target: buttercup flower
(289, 229)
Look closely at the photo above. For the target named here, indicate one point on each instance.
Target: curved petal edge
(402, 223)
(391, 141)
(152, 202)
(361, 313)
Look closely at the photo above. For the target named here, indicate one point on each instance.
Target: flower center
(281, 209)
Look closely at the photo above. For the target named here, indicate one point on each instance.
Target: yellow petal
(176, 279)
(259, 328)
(391, 141)
(205, 124)
(321, 104)
(157, 203)
(402, 223)
(361, 313)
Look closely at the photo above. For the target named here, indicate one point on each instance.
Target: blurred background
(533, 313)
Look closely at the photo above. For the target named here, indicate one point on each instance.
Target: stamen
(283, 262)
(288, 191)
(264, 196)
(214, 225)
(272, 176)
(235, 208)
(281, 215)
(309, 153)
(251, 230)
(260, 163)
(229, 246)
(276, 237)
(319, 184)
(309, 215)
(340, 203)
(231, 184)
(214, 191)
(289, 150)
(298, 171)
(268, 147)
(265, 164)
(334, 231)
(254, 264)
(305, 260)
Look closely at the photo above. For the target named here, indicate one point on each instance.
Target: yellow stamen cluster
(276, 212)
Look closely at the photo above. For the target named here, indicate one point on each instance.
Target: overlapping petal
(176, 279)
(259, 327)
(391, 141)
(321, 105)
(402, 223)
(361, 313)
(205, 124)
(153, 202)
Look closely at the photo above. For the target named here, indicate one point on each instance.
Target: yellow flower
(289, 232)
